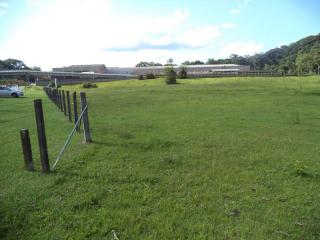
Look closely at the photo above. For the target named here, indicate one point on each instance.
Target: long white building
(156, 70)
(191, 69)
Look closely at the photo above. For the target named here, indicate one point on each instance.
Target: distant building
(191, 69)
(156, 70)
(96, 68)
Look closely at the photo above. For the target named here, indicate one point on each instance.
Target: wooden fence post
(26, 149)
(85, 118)
(60, 100)
(42, 136)
(56, 98)
(75, 110)
(64, 102)
(69, 106)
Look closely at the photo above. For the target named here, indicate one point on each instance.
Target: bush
(140, 77)
(89, 85)
(300, 169)
(150, 76)
(170, 75)
(182, 73)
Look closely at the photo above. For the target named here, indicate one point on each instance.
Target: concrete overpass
(52, 75)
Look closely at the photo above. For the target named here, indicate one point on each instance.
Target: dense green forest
(302, 56)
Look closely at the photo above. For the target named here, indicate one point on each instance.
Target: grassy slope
(205, 159)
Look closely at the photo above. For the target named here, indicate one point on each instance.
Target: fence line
(59, 99)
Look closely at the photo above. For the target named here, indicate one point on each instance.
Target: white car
(9, 92)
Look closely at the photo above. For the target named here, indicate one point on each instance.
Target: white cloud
(234, 11)
(94, 31)
(241, 48)
(228, 25)
(3, 8)
(34, 2)
(240, 7)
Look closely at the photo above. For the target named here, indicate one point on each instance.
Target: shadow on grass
(313, 93)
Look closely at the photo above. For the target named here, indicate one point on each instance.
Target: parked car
(10, 92)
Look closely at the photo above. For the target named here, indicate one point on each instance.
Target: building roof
(87, 65)
(224, 70)
(187, 66)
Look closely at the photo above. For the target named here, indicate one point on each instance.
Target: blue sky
(51, 33)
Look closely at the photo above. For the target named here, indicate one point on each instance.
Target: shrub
(182, 73)
(170, 75)
(140, 77)
(300, 169)
(150, 76)
(89, 85)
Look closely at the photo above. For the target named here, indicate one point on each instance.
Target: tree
(315, 53)
(14, 64)
(198, 62)
(186, 63)
(182, 74)
(211, 61)
(169, 62)
(170, 75)
(148, 64)
(283, 68)
(234, 59)
(316, 61)
(35, 68)
(304, 63)
(3, 65)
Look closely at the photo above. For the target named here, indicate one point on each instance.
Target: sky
(56, 33)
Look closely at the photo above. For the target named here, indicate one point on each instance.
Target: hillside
(301, 56)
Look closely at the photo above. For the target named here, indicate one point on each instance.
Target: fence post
(60, 101)
(85, 118)
(69, 106)
(42, 136)
(26, 149)
(75, 110)
(56, 99)
(64, 102)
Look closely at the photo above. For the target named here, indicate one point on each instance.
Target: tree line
(302, 56)
(15, 64)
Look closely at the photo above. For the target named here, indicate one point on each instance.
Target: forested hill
(301, 56)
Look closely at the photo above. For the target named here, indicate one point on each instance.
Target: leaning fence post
(75, 110)
(42, 136)
(64, 102)
(69, 106)
(26, 149)
(85, 118)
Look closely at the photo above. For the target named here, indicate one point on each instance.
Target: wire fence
(62, 100)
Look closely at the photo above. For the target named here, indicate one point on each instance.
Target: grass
(229, 158)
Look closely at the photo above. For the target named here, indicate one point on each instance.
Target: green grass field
(226, 158)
